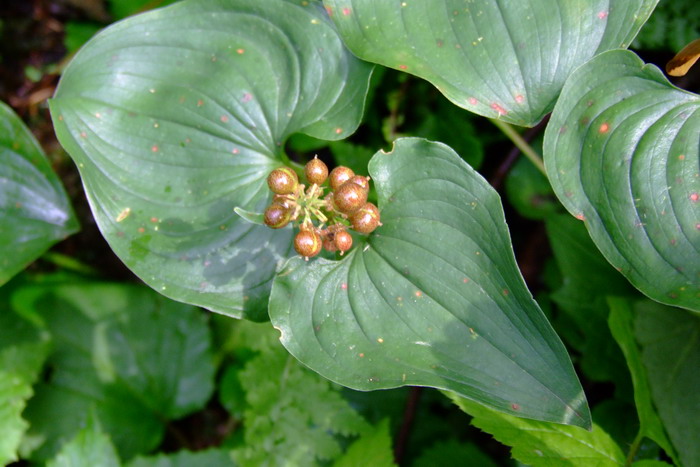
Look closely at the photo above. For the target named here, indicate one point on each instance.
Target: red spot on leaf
(694, 197)
(473, 101)
(604, 128)
(515, 406)
(681, 157)
(329, 10)
(235, 151)
(465, 280)
(519, 98)
(346, 11)
(240, 51)
(154, 148)
(602, 14)
(344, 286)
(499, 109)
(154, 219)
(338, 131)
(224, 118)
(580, 217)
(247, 97)
(403, 67)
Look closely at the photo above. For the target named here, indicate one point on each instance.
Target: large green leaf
(670, 343)
(176, 116)
(432, 298)
(499, 59)
(35, 212)
(89, 448)
(133, 356)
(621, 151)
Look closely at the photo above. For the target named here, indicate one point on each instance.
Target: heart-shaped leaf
(621, 151)
(498, 59)
(35, 212)
(175, 118)
(433, 297)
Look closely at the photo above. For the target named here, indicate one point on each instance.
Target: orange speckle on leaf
(247, 97)
(235, 151)
(154, 219)
(515, 406)
(240, 51)
(346, 11)
(418, 294)
(694, 197)
(465, 280)
(403, 67)
(519, 99)
(580, 217)
(154, 148)
(505, 292)
(200, 102)
(681, 157)
(473, 101)
(361, 355)
(604, 128)
(141, 230)
(83, 134)
(344, 286)
(602, 14)
(338, 131)
(224, 118)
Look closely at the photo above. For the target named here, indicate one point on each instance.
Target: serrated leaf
(452, 452)
(90, 447)
(545, 444)
(208, 458)
(621, 151)
(432, 298)
(292, 415)
(138, 361)
(501, 60)
(35, 212)
(14, 392)
(172, 129)
(621, 324)
(372, 448)
(670, 343)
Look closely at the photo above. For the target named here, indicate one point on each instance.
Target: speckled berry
(349, 197)
(283, 181)
(307, 243)
(316, 171)
(365, 219)
(277, 216)
(340, 175)
(343, 241)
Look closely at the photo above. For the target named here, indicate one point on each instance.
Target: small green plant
(186, 121)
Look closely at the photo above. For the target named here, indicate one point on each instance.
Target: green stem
(521, 144)
(69, 263)
(634, 448)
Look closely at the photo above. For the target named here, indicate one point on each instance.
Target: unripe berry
(307, 243)
(316, 171)
(283, 181)
(343, 241)
(361, 181)
(277, 216)
(340, 175)
(365, 219)
(349, 197)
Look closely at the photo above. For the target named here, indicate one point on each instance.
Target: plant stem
(634, 448)
(66, 262)
(523, 145)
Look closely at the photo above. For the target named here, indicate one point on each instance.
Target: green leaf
(208, 458)
(292, 415)
(373, 448)
(172, 129)
(670, 343)
(453, 452)
(621, 324)
(529, 191)
(587, 281)
(621, 151)
(14, 392)
(35, 212)
(501, 61)
(431, 298)
(134, 357)
(545, 444)
(90, 447)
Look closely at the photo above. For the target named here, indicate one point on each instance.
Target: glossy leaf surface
(498, 59)
(35, 212)
(175, 118)
(432, 298)
(622, 153)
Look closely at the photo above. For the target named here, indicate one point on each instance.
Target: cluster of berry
(345, 206)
